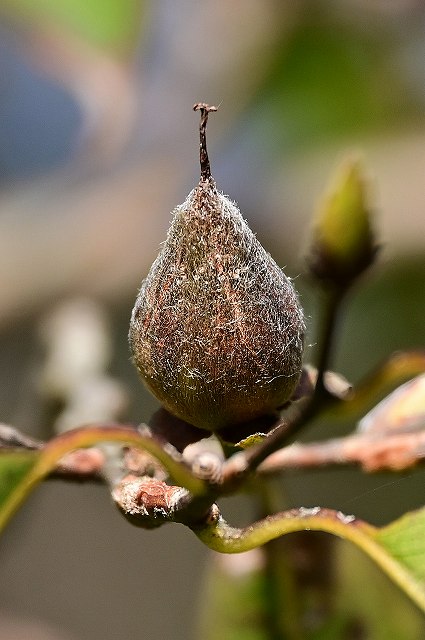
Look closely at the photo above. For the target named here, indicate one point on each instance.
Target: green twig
(331, 309)
(219, 536)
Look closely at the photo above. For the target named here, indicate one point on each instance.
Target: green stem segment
(331, 309)
(219, 536)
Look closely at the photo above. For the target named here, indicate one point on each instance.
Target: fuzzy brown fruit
(216, 331)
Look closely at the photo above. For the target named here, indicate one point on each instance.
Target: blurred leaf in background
(110, 24)
(334, 77)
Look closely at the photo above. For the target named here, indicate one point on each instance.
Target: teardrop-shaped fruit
(217, 330)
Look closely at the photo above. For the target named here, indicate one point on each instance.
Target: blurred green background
(98, 143)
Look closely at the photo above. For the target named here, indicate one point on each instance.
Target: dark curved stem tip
(205, 110)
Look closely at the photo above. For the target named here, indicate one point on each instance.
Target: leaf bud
(343, 243)
(217, 330)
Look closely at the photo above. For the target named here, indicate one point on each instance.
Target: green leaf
(235, 595)
(250, 441)
(404, 539)
(354, 570)
(329, 78)
(21, 472)
(398, 549)
(14, 466)
(111, 24)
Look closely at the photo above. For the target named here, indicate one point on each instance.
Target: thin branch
(12, 438)
(242, 464)
(57, 458)
(373, 452)
(331, 309)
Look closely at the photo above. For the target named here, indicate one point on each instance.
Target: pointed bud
(343, 243)
(217, 331)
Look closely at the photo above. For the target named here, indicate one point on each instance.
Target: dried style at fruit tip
(217, 330)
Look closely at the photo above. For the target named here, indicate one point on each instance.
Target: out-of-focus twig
(78, 347)
(373, 452)
(75, 377)
(12, 438)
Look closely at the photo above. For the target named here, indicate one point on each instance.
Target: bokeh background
(98, 143)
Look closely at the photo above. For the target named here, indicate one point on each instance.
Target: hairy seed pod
(217, 331)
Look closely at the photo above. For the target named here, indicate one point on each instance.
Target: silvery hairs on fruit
(217, 330)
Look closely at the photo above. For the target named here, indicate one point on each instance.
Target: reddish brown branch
(373, 452)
